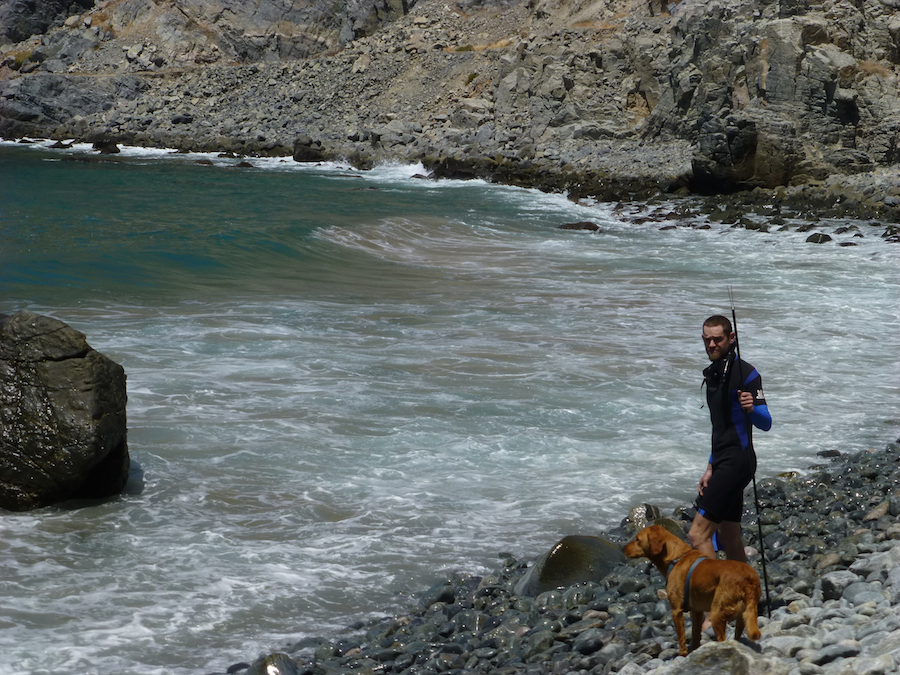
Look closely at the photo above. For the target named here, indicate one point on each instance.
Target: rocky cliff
(598, 98)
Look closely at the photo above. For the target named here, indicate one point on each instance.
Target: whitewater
(344, 386)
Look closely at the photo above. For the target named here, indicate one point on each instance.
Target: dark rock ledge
(832, 546)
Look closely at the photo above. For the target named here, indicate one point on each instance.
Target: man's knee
(694, 536)
(702, 530)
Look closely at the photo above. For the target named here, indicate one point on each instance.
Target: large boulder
(62, 411)
(308, 150)
(721, 658)
(574, 559)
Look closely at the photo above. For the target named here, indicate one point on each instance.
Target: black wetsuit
(733, 459)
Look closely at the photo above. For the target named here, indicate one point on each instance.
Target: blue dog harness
(687, 579)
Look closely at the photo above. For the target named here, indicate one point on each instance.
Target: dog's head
(649, 542)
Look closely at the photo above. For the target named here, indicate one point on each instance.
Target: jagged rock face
(758, 85)
(718, 95)
(54, 96)
(197, 31)
(20, 19)
(62, 411)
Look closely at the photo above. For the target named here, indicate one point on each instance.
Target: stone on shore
(273, 664)
(724, 658)
(307, 150)
(574, 559)
(62, 408)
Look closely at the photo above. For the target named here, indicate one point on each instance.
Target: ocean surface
(344, 386)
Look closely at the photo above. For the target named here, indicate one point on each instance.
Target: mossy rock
(673, 526)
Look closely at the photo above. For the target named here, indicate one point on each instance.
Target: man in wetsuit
(734, 395)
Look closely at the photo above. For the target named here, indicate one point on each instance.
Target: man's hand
(704, 479)
(746, 400)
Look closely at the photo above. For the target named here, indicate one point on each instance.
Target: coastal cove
(345, 386)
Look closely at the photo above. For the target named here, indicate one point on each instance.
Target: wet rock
(273, 664)
(642, 515)
(441, 592)
(585, 226)
(62, 406)
(308, 150)
(574, 559)
(106, 147)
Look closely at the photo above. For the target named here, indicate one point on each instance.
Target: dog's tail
(751, 601)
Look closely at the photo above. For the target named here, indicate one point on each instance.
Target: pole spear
(762, 549)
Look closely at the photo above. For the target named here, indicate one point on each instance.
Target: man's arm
(753, 402)
(704, 479)
(761, 417)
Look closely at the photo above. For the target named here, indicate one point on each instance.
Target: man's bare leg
(701, 534)
(731, 540)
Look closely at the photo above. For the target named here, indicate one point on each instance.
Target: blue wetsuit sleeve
(761, 417)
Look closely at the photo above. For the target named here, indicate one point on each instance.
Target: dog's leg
(696, 629)
(719, 622)
(678, 620)
(739, 626)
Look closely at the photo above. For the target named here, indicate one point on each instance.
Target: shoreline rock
(62, 406)
(832, 547)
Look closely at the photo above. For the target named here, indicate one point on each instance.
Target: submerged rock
(62, 408)
(584, 225)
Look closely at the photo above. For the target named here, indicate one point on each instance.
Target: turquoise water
(343, 385)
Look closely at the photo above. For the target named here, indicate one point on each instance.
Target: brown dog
(727, 589)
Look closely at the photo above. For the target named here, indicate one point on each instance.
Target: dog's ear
(656, 544)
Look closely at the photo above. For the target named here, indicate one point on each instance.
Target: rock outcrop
(149, 35)
(607, 99)
(20, 20)
(62, 409)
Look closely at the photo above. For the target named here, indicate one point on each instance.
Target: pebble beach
(832, 547)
